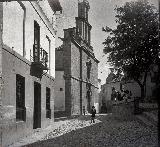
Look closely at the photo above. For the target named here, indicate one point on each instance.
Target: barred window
(48, 109)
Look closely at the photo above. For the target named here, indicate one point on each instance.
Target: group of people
(119, 96)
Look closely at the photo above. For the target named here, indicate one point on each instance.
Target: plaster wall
(59, 93)
(75, 83)
(20, 37)
(13, 64)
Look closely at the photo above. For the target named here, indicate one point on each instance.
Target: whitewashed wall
(13, 16)
(59, 95)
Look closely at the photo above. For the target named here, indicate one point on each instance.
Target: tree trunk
(142, 92)
(142, 86)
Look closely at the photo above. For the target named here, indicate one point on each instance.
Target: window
(36, 48)
(49, 51)
(48, 110)
(61, 89)
(20, 98)
(88, 64)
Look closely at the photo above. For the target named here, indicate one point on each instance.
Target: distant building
(76, 68)
(119, 84)
(27, 67)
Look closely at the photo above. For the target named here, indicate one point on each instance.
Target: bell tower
(82, 25)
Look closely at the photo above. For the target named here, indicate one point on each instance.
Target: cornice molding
(85, 50)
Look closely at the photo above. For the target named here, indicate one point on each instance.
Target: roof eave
(55, 5)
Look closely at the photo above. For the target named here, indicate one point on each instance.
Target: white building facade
(27, 66)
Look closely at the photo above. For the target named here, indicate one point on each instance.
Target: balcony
(39, 59)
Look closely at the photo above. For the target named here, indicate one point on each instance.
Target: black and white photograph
(79, 73)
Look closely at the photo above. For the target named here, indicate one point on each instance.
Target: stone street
(108, 131)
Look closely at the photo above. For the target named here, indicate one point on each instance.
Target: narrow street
(108, 131)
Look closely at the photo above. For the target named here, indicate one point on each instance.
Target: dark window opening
(20, 98)
(48, 109)
(36, 46)
(88, 64)
(49, 52)
(61, 89)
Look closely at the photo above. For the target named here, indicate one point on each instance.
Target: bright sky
(101, 14)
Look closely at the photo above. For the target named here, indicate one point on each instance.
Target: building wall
(59, 82)
(13, 64)
(13, 29)
(84, 77)
(67, 72)
(18, 39)
(75, 72)
(94, 81)
(132, 86)
(59, 93)
(59, 60)
(136, 91)
(75, 97)
(75, 83)
(72, 60)
(69, 60)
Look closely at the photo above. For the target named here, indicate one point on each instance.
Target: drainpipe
(1, 80)
(1, 46)
(80, 81)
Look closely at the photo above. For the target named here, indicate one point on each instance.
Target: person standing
(93, 114)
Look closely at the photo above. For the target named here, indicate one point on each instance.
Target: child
(93, 112)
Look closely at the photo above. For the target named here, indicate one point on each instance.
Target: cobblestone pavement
(108, 131)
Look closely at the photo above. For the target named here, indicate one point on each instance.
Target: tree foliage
(133, 45)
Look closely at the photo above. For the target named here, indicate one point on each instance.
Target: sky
(101, 14)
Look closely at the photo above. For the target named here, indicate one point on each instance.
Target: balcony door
(36, 47)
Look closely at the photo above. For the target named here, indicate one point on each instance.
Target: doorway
(37, 106)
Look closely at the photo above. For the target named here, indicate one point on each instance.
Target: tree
(133, 45)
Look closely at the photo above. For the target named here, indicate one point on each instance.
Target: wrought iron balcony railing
(39, 55)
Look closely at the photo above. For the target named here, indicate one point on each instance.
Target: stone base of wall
(58, 114)
(123, 109)
(12, 130)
